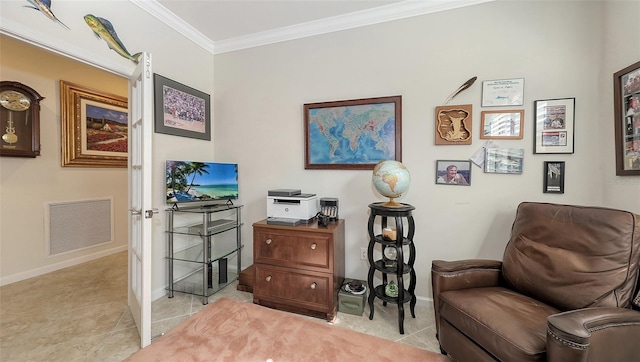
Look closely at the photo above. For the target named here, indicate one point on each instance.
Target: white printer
(291, 204)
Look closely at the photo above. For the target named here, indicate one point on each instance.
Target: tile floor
(80, 314)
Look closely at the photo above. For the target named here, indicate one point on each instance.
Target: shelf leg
(401, 316)
(372, 292)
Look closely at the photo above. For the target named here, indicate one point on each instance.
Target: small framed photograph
(507, 125)
(554, 125)
(503, 92)
(626, 98)
(504, 160)
(553, 177)
(453, 172)
(181, 110)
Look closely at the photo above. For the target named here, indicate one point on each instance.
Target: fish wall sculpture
(44, 6)
(103, 29)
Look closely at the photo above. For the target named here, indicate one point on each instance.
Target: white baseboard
(5, 280)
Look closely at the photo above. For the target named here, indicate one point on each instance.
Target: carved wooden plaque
(453, 125)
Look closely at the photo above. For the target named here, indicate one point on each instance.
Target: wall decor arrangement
(503, 92)
(94, 127)
(453, 124)
(554, 125)
(506, 124)
(626, 98)
(353, 134)
(19, 120)
(504, 160)
(553, 177)
(180, 110)
(453, 172)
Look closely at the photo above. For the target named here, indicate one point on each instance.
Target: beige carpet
(228, 330)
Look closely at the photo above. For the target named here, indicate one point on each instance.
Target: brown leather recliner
(566, 290)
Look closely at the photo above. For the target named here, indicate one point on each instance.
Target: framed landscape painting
(94, 127)
(353, 134)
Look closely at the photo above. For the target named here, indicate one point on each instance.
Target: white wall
(556, 46)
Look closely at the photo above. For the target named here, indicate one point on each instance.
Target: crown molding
(163, 14)
(396, 11)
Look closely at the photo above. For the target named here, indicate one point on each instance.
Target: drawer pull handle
(268, 278)
(313, 285)
(269, 241)
(314, 246)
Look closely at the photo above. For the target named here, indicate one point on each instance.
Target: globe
(391, 179)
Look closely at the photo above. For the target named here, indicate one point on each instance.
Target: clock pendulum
(10, 136)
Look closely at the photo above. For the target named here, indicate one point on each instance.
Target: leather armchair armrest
(464, 274)
(594, 334)
(461, 274)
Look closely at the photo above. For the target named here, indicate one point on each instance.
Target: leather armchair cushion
(509, 325)
(556, 252)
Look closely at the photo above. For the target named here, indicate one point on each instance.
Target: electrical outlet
(363, 253)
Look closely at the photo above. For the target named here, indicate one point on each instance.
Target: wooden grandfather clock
(19, 120)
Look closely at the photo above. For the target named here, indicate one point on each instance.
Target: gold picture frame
(94, 127)
(506, 125)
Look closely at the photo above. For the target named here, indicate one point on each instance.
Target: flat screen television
(201, 181)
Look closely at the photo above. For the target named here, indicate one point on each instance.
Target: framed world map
(353, 134)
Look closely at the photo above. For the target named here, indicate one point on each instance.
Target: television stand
(195, 254)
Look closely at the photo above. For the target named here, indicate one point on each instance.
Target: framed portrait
(503, 92)
(507, 125)
(181, 110)
(352, 134)
(453, 172)
(453, 125)
(553, 177)
(95, 127)
(504, 160)
(626, 98)
(554, 125)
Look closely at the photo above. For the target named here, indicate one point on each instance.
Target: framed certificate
(503, 92)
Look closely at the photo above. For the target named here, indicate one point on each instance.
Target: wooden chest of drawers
(299, 268)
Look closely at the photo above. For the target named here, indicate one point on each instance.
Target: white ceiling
(227, 25)
(223, 19)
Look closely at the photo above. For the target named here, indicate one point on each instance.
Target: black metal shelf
(404, 264)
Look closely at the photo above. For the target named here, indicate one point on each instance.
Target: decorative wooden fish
(464, 86)
(44, 6)
(104, 30)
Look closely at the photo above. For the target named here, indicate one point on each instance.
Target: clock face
(14, 100)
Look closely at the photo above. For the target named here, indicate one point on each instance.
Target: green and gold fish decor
(104, 30)
(44, 6)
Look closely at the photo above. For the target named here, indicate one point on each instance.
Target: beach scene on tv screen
(201, 181)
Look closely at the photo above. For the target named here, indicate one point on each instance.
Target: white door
(140, 210)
